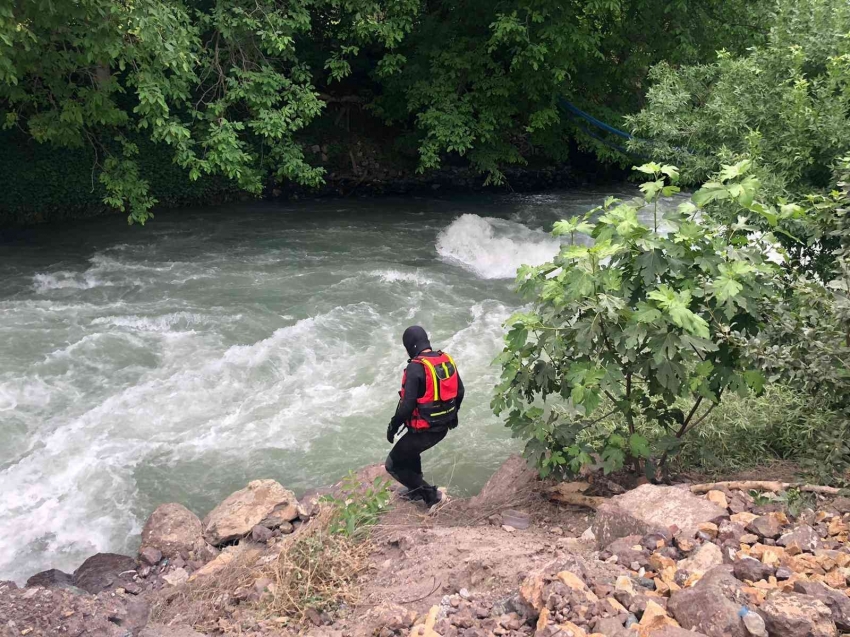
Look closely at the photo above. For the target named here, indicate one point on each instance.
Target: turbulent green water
(178, 361)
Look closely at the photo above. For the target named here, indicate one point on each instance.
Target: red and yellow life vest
(438, 405)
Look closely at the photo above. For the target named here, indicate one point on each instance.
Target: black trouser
(405, 463)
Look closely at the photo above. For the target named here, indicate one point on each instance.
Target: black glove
(392, 430)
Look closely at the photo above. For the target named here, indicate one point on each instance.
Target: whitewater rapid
(179, 361)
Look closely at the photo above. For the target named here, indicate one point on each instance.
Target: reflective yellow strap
(452, 361)
(436, 382)
(446, 369)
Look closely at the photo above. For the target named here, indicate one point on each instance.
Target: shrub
(640, 326)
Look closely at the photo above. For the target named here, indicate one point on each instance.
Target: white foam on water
(494, 248)
(398, 276)
(65, 279)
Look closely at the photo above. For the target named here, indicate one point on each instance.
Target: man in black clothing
(404, 462)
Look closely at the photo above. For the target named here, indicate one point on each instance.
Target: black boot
(432, 496)
(410, 495)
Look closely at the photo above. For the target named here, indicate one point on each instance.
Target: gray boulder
(172, 529)
(749, 568)
(794, 615)
(652, 508)
(243, 510)
(837, 602)
(104, 571)
(711, 605)
(52, 578)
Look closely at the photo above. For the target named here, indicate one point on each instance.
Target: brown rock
(159, 630)
(803, 538)
(718, 497)
(767, 526)
(241, 511)
(711, 605)
(512, 478)
(748, 568)
(842, 505)
(743, 518)
(654, 618)
(709, 528)
(52, 578)
(652, 508)
(150, 556)
(261, 534)
(730, 532)
(613, 627)
(837, 602)
(704, 559)
(793, 615)
(172, 529)
(569, 629)
(676, 631)
(628, 549)
(104, 571)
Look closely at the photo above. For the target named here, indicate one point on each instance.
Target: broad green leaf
(645, 313)
(639, 446)
(725, 288)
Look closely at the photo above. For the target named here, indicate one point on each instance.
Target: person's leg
(405, 463)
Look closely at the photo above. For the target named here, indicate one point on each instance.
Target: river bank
(50, 185)
(655, 561)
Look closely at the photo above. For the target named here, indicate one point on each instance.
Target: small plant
(647, 325)
(759, 499)
(795, 500)
(358, 508)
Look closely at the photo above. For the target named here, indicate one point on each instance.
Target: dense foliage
(649, 324)
(227, 86)
(785, 104)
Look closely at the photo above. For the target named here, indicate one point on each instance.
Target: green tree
(482, 79)
(785, 104)
(648, 325)
(221, 83)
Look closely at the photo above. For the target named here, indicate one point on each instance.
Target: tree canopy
(228, 85)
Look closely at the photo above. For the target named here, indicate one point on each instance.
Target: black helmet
(415, 340)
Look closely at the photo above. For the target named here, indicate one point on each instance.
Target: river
(178, 361)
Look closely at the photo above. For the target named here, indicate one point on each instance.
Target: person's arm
(460, 392)
(412, 388)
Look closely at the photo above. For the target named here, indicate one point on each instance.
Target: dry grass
(208, 603)
(317, 571)
(310, 570)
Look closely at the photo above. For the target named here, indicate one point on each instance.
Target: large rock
(52, 578)
(675, 631)
(749, 568)
(158, 630)
(104, 571)
(837, 602)
(652, 508)
(241, 511)
(628, 549)
(704, 559)
(514, 478)
(711, 606)
(803, 538)
(793, 615)
(172, 529)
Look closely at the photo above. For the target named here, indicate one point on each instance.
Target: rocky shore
(658, 561)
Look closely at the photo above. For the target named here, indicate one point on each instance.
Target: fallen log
(763, 485)
(572, 493)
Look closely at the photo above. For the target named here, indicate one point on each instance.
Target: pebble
(631, 620)
(464, 593)
(755, 624)
(508, 528)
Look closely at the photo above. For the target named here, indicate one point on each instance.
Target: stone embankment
(657, 561)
